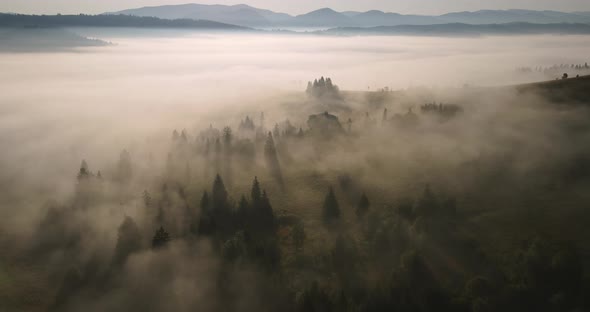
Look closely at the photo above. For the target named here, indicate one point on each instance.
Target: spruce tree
(206, 224)
(147, 199)
(255, 194)
(83, 173)
(128, 241)
(243, 211)
(331, 209)
(363, 206)
(219, 194)
(272, 160)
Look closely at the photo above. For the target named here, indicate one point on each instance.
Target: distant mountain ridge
(48, 21)
(245, 15)
(460, 29)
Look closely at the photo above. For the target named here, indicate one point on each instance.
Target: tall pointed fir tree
(272, 160)
(227, 155)
(363, 206)
(128, 241)
(331, 209)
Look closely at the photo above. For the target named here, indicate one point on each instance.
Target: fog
(58, 108)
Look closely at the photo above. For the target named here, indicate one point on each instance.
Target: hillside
(43, 39)
(20, 20)
(570, 90)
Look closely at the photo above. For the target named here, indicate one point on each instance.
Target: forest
(470, 199)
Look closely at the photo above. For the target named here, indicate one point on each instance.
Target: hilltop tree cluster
(322, 87)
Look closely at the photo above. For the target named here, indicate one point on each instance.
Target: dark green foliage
(363, 206)
(243, 211)
(265, 214)
(219, 195)
(259, 219)
(161, 238)
(331, 209)
(206, 224)
(221, 210)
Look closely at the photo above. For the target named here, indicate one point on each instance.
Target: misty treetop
(322, 87)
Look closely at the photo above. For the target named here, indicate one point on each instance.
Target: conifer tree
(147, 199)
(128, 241)
(243, 211)
(266, 214)
(83, 173)
(219, 194)
(331, 209)
(255, 194)
(272, 160)
(227, 152)
(206, 225)
(363, 206)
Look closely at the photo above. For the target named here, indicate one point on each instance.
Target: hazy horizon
(422, 7)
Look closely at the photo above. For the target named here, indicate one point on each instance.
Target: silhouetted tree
(183, 137)
(147, 199)
(217, 156)
(243, 212)
(221, 211)
(128, 241)
(219, 194)
(272, 160)
(255, 193)
(331, 209)
(266, 215)
(83, 173)
(206, 224)
(363, 206)
(227, 151)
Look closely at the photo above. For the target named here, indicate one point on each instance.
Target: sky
(296, 6)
